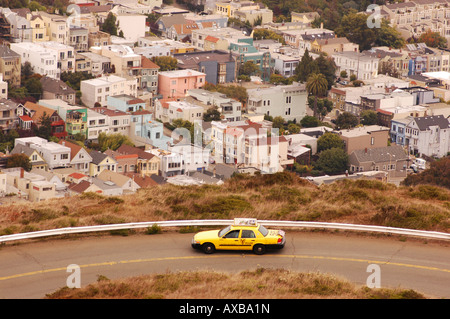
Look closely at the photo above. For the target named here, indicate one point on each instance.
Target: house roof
(74, 148)
(97, 157)
(116, 178)
(438, 120)
(142, 181)
(77, 175)
(21, 148)
(381, 154)
(127, 149)
(80, 187)
(55, 86)
(38, 111)
(146, 63)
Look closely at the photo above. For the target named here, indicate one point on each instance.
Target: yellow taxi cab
(243, 234)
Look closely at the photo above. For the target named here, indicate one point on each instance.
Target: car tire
(259, 249)
(208, 248)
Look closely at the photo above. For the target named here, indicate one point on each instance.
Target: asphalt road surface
(32, 270)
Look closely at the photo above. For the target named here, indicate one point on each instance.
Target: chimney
(22, 172)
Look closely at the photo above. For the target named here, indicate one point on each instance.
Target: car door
(248, 239)
(230, 240)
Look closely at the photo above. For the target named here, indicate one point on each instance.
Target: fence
(221, 222)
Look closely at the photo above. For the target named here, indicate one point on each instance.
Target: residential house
(36, 113)
(119, 122)
(97, 123)
(28, 185)
(183, 32)
(169, 110)
(92, 63)
(391, 159)
(287, 101)
(36, 160)
(98, 39)
(54, 154)
(149, 75)
(302, 39)
(57, 27)
(43, 60)
(244, 51)
(20, 26)
(176, 84)
(10, 66)
(98, 186)
(100, 162)
(79, 156)
(219, 66)
(217, 38)
(127, 183)
(125, 162)
(244, 11)
(147, 163)
(97, 90)
(132, 25)
(429, 136)
(360, 138)
(56, 89)
(78, 38)
(364, 67)
(195, 157)
(304, 17)
(152, 46)
(170, 163)
(74, 116)
(333, 45)
(60, 186)
(38, 28)
(145, 131)
(9, 114)
(267, 154)
(230, 109)
(125, 103)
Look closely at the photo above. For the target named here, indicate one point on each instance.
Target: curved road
(31, 270)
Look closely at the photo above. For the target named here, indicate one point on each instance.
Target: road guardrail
(221, 222)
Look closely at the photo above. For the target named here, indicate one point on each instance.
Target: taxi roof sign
(245, 222)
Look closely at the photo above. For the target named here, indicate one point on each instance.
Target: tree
(166, 63)
(109, 25)
(34, 87)
(309, 121)
(369, 117)
(305, 67)
(328, 141)
(323, 106)
(44, 128)
(317, 86)
(354, 27)
(248, 68)
(332, 161)
(278, 122)
(327, 67)
(112, 141)
(19, 160)
(433, 39)
(211, 114)
(293, 128)
(346, 120)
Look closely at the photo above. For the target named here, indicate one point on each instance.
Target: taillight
(279, 240)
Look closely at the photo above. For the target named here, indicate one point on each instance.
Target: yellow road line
(112, 263)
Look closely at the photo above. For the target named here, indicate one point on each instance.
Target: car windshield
(263, 230)
(224, 231)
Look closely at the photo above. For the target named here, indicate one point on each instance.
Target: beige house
(267, 154)
(360, 138)
(36, 160)
(333, 45)
(125, 182)
(147, 164)
(10, 66)
(37, 24)
(304, 17)
(30, 186)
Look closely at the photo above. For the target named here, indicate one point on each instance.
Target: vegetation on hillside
(281, 196)
(438, 174)
(254, 284)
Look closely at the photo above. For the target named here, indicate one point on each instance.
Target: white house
(429, 135)
(42, 60)
(363, 66)
(288, 101)
(98, 89)
(96, 123)
(168, 111)
(54, 154)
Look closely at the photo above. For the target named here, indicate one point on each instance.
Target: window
(248, 234)
(232, 234)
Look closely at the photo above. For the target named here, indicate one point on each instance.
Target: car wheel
(208, 248)
(259, 249)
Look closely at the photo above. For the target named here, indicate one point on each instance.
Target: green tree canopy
(369, 117)
(323, 106)
(305, 67)
(112, 141)
(19, 160)
(433, 39)
(109, 25)
(346, 120)
(329, 140)
(166, 63)
(211, 114)
(332, 161)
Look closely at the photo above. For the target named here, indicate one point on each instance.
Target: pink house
(175, 84)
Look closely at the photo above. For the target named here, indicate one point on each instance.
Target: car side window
(232, 234)
(248, 234)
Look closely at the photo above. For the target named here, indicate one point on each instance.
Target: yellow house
(37, 24)
(101, 162)
(147, 163)
(305, 17)
(223, 8)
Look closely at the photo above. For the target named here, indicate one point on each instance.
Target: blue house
(125, 103)
(398, 131)
(148, 131)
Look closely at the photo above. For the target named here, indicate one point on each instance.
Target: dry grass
(258, 284)
(281, 196)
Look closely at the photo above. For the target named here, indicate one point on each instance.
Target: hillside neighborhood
(115, 96)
